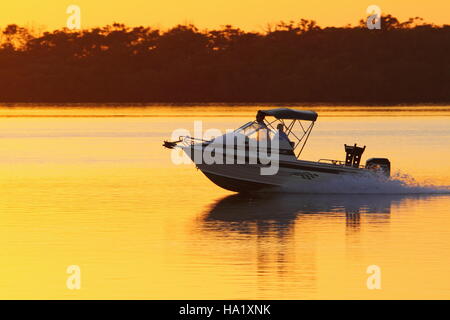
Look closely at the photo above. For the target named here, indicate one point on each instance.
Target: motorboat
(266, 153)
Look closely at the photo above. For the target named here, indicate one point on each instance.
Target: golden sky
(247, 14)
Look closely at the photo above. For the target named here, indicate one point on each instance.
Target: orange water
(95, 188)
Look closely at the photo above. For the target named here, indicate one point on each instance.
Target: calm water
(95, 188)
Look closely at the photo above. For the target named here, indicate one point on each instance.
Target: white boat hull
(248, 177)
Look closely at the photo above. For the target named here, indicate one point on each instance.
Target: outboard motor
(379, 165)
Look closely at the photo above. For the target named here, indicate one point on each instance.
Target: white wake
(369, 184)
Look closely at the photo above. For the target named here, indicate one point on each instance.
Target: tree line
(403, 62)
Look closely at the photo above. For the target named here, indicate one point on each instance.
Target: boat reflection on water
(304, 245)
(275, 211)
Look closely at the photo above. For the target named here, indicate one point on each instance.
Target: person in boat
(282, 136)
(262, 131)
(281, 133)
(260, 119)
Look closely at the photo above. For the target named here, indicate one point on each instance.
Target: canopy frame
(286, 113)
(283, 114)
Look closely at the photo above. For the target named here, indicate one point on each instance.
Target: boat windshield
(256, 130)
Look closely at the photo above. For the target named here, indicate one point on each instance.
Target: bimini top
(285, 113)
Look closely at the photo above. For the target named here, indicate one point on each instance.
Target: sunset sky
(247, 14)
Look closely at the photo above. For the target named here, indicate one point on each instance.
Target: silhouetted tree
(291, 62)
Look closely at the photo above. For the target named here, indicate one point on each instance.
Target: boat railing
(187, 140)
(332, 161)
(337, 162)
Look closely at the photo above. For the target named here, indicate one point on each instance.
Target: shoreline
(218, 104)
